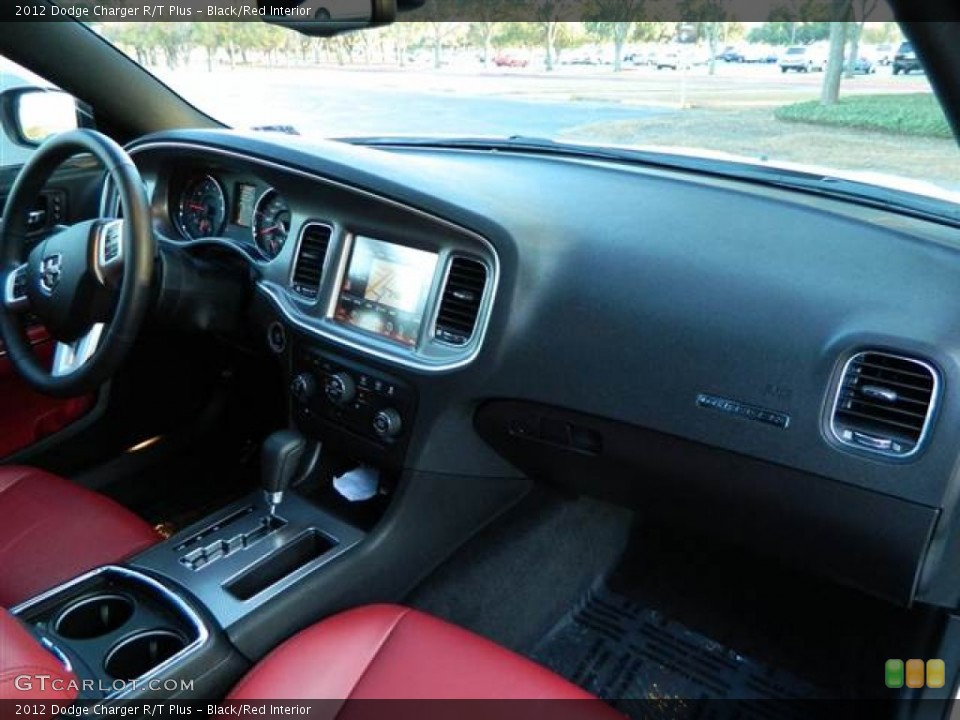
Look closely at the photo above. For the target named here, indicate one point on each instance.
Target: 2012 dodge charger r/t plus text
(343, 362)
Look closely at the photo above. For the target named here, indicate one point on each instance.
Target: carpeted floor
(519, 576)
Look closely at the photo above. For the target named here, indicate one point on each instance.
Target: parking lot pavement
(359, 100)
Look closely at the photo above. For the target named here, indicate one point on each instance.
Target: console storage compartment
(303, 549)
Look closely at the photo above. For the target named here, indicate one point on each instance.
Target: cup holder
(139, 654)
(94, 616)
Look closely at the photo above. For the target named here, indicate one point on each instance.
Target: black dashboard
(782, 374)
(347, 266)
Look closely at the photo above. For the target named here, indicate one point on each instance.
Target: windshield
(726, 90)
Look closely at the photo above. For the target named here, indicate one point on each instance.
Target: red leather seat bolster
(52, 530)
(391, 652)
(27, 670)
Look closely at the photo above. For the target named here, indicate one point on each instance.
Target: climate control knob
(303, 387)
(387, 423)
(340, 388)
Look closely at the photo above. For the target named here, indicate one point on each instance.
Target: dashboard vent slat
(461, 300)
(885, 403)
(308, 264)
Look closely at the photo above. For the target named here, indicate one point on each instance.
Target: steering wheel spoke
(109, 250)
(15, 290)
(70, 357)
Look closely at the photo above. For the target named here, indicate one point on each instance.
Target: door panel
(71, 194)
(27, 416)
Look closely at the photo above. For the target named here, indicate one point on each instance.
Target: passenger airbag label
(750, 412)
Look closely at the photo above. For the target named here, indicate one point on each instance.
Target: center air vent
(884, 403)
(308, 264)
(460, 304)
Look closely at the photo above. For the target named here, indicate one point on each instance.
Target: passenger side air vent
(308, 265)
(884, 403)
(460, 303)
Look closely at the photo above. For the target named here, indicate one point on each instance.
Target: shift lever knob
(279, 459)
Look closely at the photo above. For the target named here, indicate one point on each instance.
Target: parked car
(864, 66)
(731, 54)
(906, 61)
(757, 53)
(668, 59)
(802, 58)
(883, 54)
(511, 61)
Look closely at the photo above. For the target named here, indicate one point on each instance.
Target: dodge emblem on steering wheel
(50, 272)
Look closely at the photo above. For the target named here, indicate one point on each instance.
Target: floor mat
(518, 577)
(630, 654)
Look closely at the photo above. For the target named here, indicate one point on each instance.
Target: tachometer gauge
(203, 208)
(271, 223)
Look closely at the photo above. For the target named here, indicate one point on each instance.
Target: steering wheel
(88, 284)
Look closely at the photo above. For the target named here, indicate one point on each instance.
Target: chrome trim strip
(202, 634)
(343, 265)
(432, 327)
(303, 321)
(68, 357)
(10, 301)
(57, 653)
(927, 423)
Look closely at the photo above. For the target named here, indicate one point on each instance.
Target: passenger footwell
(630, 654)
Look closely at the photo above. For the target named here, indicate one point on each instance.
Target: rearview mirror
(323, 18)
(32, 114)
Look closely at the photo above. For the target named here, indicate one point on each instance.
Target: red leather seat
(30, 671)
(392, 652)
(52, 530)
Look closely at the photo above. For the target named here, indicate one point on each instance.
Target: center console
(243, 556)
(137, 631)
(122, 634)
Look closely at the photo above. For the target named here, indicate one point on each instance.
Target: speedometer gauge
(271, 223)
(203, 208)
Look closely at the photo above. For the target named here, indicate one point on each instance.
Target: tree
(489, 15)
(885, 32)
(482, 34)
(615, 33)
(212, 36)
(652, 31)
(438, 18)
(862, 9)
(707, 17)
(549, 14)
(519, 34)
(619, 20)
(830, 91)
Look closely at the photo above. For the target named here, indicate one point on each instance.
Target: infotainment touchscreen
(385, 289)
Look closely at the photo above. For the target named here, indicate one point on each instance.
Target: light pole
(686, 36)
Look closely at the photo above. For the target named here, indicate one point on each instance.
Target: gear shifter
(279, 459)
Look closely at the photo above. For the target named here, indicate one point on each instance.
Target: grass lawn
(756, 133)
(914, 114)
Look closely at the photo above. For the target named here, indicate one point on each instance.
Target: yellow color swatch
(915, 673)
(936, 674)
